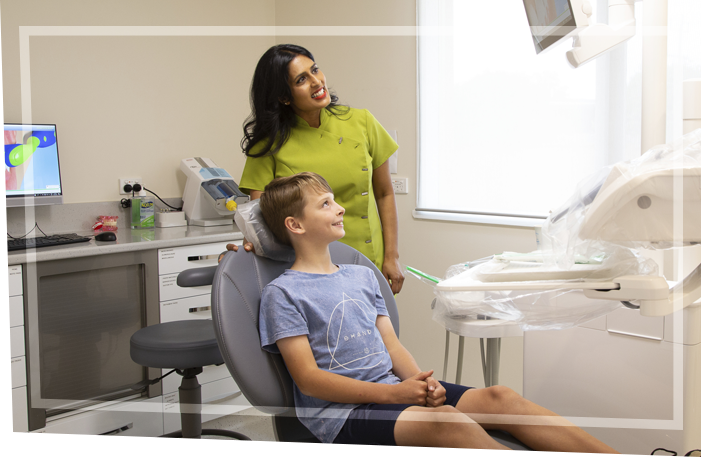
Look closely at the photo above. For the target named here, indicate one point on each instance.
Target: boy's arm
(403, 363)
(324, 385)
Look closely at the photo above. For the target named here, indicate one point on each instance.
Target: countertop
(130, 240)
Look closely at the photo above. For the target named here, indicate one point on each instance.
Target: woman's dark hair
(270, 120)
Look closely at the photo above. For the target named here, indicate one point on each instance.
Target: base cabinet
(139, 416)
(127, 418)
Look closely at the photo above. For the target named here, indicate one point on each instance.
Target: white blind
(505, 131)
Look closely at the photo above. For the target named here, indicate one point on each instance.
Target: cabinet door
(135, 418)
(16, 311)
(182, 309)
(18, 371)
(19, 409)
(14, 277)
(17, 341)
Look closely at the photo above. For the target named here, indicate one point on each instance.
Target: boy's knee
(503, 394)
(447, 420)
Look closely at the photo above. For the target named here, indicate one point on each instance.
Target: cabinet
(220, 394)
(14, 439)
(95, 285)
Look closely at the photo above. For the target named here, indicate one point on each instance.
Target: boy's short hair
(284, 197)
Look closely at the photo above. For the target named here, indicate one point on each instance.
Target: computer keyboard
(17, 244)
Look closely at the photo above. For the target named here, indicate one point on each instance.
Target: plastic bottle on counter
(142, 211)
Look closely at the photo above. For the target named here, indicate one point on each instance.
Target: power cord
(126, 203)
(693, 452)
(173, 207)
(36, 226)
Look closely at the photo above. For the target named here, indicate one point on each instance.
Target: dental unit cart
(609, 344)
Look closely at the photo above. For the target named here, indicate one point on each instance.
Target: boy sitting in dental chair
(354, 382)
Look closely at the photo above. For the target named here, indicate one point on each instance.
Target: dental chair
(237, 283)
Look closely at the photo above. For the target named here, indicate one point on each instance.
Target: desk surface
(130, 240)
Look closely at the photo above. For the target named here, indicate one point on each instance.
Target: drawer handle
(194, 258)
(101, 435)
(199, 310)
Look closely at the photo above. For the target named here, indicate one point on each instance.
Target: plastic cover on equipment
(249, 220)
(593, 237)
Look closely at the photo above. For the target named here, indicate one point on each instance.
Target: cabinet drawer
(209, 374)
(175, 260)
(182, 309)
(17, 341)
(215, 403)
(16, 311)
(14, 278)
(16, 446)
(19, 410)
(19, 372)
(135, 418)
(168, 289)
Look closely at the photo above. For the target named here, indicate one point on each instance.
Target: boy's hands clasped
(421, 389)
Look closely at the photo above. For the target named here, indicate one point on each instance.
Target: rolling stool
(185, 346)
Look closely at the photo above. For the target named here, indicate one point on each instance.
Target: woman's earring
(287, 103)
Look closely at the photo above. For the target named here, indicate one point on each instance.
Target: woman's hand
(247, 246)
(392, 271)
(413, 390)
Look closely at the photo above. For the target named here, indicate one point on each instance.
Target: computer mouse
(106, 236)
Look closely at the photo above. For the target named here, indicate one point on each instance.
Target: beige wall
(136, 106)
(133, 105)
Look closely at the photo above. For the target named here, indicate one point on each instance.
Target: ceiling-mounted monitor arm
(599, 38)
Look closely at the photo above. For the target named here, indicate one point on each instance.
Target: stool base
(206, 448)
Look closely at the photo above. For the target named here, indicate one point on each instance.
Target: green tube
(423, 275)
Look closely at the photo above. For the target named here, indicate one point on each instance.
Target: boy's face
(322, 217)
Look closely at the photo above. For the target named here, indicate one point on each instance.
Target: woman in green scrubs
(296, 125)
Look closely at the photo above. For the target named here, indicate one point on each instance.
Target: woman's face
(308, 86)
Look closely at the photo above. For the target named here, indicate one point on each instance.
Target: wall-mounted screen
(550, 21)
(32, 170)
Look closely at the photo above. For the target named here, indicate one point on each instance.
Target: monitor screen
(550, 21)
(32, 172)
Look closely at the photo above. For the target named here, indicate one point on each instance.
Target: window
(506, 133)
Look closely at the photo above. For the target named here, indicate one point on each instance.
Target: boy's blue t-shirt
(337, 312)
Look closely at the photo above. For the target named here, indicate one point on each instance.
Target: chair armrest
(196, 277)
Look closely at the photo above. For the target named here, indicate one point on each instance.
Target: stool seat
(179, 344)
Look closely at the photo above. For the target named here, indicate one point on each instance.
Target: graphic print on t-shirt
(353, 341)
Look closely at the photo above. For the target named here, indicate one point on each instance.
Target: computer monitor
(555, 20)
(32, 171)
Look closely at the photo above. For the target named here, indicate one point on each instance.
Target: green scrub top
(344, 150)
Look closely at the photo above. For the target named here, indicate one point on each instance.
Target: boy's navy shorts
(374, 424)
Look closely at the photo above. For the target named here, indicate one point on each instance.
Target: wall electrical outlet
(400, 185)
(124, 181)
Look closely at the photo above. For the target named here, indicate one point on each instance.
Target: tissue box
(170, 219)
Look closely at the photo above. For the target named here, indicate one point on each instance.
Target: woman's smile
(308, 87)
